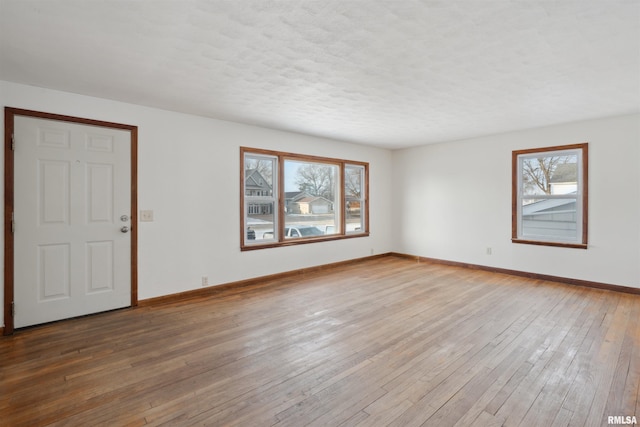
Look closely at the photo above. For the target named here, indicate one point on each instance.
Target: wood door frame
(9, 183)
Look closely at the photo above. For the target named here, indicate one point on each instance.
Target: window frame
(279, 239)
(581, 196)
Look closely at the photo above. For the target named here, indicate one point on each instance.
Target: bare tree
(537, 173)
(353, 182)
(316, 179)
(263, 166)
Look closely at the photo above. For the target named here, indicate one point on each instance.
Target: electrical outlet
(205, 281)
(146, 216)
(372, 251)
(489, 251)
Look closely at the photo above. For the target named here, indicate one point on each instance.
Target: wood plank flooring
(386, 342)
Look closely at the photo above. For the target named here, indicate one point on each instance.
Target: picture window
(292, 198)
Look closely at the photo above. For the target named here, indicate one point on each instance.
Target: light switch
(146, 216)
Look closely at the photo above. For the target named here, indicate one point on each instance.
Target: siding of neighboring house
(554, 217)
(312, 205)
(353, 206)
(256, 185)
(564, 179)
(291, 197)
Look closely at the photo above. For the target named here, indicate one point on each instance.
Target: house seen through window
(291, 198)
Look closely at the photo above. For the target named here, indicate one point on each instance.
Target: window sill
(556, 244)
(301, 241)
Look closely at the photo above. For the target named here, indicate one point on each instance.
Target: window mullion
(281, 200)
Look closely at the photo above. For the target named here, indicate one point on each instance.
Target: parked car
(251, 234)
(302, 231)
(328, 229)
(297, 231)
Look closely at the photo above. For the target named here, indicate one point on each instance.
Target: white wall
(453, 200)
(448, 201)
(189, 172)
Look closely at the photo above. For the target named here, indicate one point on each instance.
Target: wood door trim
(9, 183)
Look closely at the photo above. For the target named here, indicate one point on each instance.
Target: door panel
(101, 193)
(53, 267)
(72, 198)
(53, 192)
(99, 267)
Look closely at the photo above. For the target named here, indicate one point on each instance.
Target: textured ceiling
(384, 73)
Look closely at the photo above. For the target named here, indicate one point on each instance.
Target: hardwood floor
(382, 342)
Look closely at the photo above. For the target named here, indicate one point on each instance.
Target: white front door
(72, 213)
